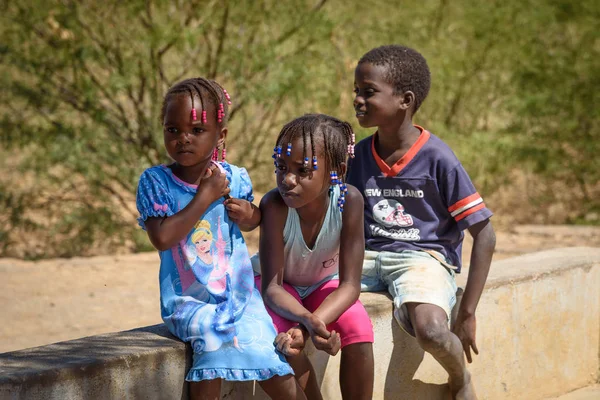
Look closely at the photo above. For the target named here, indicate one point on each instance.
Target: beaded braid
(194, 117)
(207, 91)
(338, 143)
(312, 149)
(304, 145)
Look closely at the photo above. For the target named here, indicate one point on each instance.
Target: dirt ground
(60, 299)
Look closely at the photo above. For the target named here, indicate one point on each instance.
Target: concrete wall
(146, 363)
(538, 336)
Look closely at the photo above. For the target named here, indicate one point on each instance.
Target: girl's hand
(292, 342)
(214, 184)
(324, 340)
(331, 345)
(315, 326)
(243, 213)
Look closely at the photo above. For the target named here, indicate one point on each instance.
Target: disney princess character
(214, 273)
(209, 270)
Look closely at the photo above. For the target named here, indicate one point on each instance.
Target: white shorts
(410, 277)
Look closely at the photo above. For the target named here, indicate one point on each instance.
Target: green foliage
(514, 88)
(558, 110)
(85, 82)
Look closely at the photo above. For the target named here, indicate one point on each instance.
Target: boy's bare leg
(431, 328)
(205, 390)
(357, 371)
(283, 387)
(305, 375)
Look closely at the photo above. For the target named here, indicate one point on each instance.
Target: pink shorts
(354, 325)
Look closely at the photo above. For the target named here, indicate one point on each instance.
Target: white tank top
(304, 266)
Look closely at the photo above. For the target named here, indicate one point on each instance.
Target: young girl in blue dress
(193, 210)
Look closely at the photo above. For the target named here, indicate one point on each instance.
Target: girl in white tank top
(311, 253)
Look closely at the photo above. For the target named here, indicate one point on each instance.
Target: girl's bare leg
(357, 370)
(206, 390)
(305, 375)
(283, 387)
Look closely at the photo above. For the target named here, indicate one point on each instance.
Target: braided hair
(335, 136)
(206, 91)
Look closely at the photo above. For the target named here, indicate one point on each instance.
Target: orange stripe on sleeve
(463, 202)
(469, 211)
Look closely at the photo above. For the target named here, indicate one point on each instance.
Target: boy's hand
(292, 342)
(465, 328)
(242, 212)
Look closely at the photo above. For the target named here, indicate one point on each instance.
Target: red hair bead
(227, 96)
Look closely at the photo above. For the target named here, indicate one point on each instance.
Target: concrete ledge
(132, 364)
(538, 333)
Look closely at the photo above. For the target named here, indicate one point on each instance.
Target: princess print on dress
(210, 269)
(213, 271)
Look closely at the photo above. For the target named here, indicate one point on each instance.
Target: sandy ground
(61, 299)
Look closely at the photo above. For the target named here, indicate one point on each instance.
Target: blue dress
(207, 291)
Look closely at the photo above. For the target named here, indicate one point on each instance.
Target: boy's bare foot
(466, 391)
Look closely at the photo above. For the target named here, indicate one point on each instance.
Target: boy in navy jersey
(418, 201)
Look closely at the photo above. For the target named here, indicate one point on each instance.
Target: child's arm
(244, 213)
(484, 242)
(352, 251)
(166, 232)
(274, 212)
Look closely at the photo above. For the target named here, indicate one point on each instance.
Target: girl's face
(188, 142)
(300, 185)
(374, 101)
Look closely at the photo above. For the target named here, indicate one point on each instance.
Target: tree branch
(222, 35)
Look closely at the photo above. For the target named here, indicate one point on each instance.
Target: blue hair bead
(334, 177)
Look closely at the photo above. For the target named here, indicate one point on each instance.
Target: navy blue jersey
(423, 202)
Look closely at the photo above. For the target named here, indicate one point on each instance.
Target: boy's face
(374, 101)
